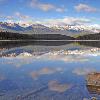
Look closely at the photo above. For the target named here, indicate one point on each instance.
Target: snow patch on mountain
(43, 29)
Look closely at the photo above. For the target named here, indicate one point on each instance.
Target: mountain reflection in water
(48, 70)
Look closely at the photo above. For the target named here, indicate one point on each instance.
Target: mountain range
(69, 30)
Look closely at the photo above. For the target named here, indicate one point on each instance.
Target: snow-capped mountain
(79, 28)
(38, 28)
(26, 29)
(11, 26)
(42, 29)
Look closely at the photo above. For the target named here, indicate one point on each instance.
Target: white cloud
(66, 21)
(85, 7)
(7, 18)
(60, 10)
(21, 16)
(18, 17)
(45, 6)
(53, 22)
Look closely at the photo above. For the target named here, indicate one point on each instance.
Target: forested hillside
(17, 36)
(89, 37)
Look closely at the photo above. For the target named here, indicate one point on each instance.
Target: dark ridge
(51, 37)
(18, 36)
(14, 36)
(89, 37)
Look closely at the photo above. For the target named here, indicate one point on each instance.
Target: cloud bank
(85, 7)
(45, 6)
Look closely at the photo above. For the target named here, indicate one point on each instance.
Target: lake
(48, 70)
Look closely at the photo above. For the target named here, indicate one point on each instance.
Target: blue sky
(57, 11)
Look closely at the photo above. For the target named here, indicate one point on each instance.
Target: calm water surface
(47, 70)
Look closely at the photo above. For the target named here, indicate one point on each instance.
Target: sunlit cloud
(45, 12)
(18, 14)
(58, 87)
(86, 8)
(7, 17)
(67, 21)
(20, 18)
(53, 21)
(46, 6)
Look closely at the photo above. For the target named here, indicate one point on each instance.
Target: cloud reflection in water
(83, 71)
(58, 87)
(45, 71)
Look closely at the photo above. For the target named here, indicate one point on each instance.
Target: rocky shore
(93, 83)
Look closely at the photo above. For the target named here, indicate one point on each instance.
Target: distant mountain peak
(43, 29)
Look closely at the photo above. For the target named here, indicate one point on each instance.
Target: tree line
(89, 37)
(14, 36)
(19, 36)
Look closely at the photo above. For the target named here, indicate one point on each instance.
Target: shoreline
(46, 40)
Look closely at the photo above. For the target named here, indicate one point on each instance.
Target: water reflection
(56, 86)
(83, 71)
(45, 71)
(13, 49)
(49, 70)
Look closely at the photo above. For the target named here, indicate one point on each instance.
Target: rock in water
(93, 82)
